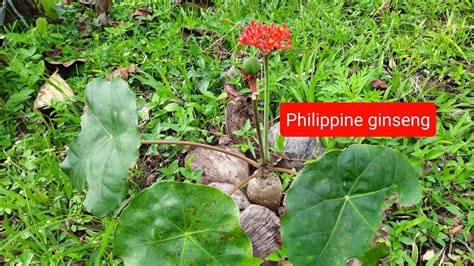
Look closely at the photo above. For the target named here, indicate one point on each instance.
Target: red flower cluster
(267, 38)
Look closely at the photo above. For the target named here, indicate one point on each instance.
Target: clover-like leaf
(334, 206)
(174, 223)
(106, 147)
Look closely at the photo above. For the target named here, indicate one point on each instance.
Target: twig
(242, 182)
(282, 170)
(442, 257)
(219, 149)
(19, 16)
(222, 37)
(214, 148)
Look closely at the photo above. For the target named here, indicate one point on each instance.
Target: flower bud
(251, 66)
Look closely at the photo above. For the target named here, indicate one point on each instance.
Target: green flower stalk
(267, 38)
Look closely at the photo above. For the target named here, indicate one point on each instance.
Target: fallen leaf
(55, 89)
(455, 230)
(55, 53)
(115, 24)
(144, 113)
(86, 2)
(379, 84)
(228, 88)
(217, 53)
(391, 63)
(428, 255)
(65, 68)
(143, 11)
(198, 3)
(123, 72)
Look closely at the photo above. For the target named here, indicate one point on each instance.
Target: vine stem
(242, 182)
(266, 111)
(214, 148)
(257, 124)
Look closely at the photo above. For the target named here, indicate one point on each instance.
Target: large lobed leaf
(174, 223)
(106, 147)
(334, 206)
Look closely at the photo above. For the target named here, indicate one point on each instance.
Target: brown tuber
(218, 166)
(265, 190)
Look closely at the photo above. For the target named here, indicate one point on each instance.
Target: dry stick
(223, 36)
(282, 170)
(214, 148)
(242, 182)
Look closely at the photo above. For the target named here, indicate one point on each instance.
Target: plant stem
(219, 149)
(257, 124)
(282, 170)
(214, 148)
(266, 111)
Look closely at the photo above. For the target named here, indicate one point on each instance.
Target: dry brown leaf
(455, 230)
(391, 63)
(141, 12)
(228, 88)
(64, 68)
(86, 2)
(197, 3)
(54, 53)
(123, 72)
(428, 255)
(55, 89)
(197, 31)
(115, 24)
(379, 84)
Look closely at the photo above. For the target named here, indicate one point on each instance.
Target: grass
(422, 49)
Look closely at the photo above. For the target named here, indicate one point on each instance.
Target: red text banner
(358, 119)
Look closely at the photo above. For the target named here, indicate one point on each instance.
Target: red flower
(267, 38)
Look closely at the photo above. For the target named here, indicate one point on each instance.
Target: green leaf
(48, 7)
(374, 255)
(280, 143)
(26, 257)
(174, 223)
(42, 25)
(335, 205)
(106, 147)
